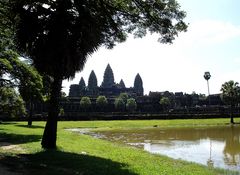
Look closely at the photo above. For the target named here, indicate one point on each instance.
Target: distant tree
(138, 85)
(207, 76)
(165, 102)
(124, 96)
(11, 103)
(85, 103)
(119, 104)
(61, 112)
(131, 105)
(30, 87)
(101, 102)
(230, 95)
(59, 35)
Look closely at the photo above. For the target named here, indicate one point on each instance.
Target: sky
(210, 44)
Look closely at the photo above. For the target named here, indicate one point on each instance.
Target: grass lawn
(21, 151)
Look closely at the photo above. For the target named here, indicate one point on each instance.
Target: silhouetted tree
(207, 76)
(230, 95)
(59, 35)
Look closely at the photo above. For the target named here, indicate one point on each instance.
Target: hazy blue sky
(211, 44)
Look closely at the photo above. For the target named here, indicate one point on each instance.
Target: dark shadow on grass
(33, 126)
(8, 139)
(64, 163)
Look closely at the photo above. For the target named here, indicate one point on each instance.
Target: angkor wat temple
(108, 87)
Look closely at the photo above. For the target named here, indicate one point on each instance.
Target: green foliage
(60, 35)
(77, 149)
(61, 112)
(131, 105)
(230, 92)
(101, 102)
(165, 102)
(124, 96)
(119, 104)
(11, 103)
(85, 103)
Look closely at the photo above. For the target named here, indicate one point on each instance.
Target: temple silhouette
(107, 88)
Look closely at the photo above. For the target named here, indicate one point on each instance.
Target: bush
(85, 103)
(131, 105)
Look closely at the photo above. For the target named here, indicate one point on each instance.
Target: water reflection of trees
(232, 147)
(228, 134)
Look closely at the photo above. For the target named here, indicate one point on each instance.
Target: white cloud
(209, 32)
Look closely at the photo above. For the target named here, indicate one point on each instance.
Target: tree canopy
(59, 35)
(230, 95)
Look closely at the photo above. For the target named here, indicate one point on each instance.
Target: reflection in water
(212, 146)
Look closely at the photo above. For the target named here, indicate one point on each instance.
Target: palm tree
(207, 76)
(60, 35)
(230, 95)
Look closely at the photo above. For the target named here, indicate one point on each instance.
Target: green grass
(82, 154)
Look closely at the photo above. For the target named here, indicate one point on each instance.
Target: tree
(60, 35)
(131, 105)
(230, 95)
(11, 103)
(207, 76)
(85, 103)
(101, 102)
(119, 104)
(124, 96)
(165, 102)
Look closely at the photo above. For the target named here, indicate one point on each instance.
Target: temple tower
(108, 78)
(138, 85)
(92, 83)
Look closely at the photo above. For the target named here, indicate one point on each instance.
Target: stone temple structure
(108, 87)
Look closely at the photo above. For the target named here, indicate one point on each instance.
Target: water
(212, 146)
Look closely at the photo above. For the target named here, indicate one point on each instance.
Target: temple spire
(122, 84)
(108, 78)
(138, 85)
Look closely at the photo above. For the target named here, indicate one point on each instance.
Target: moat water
(212, 146)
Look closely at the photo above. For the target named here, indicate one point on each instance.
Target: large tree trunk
(50, 132)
